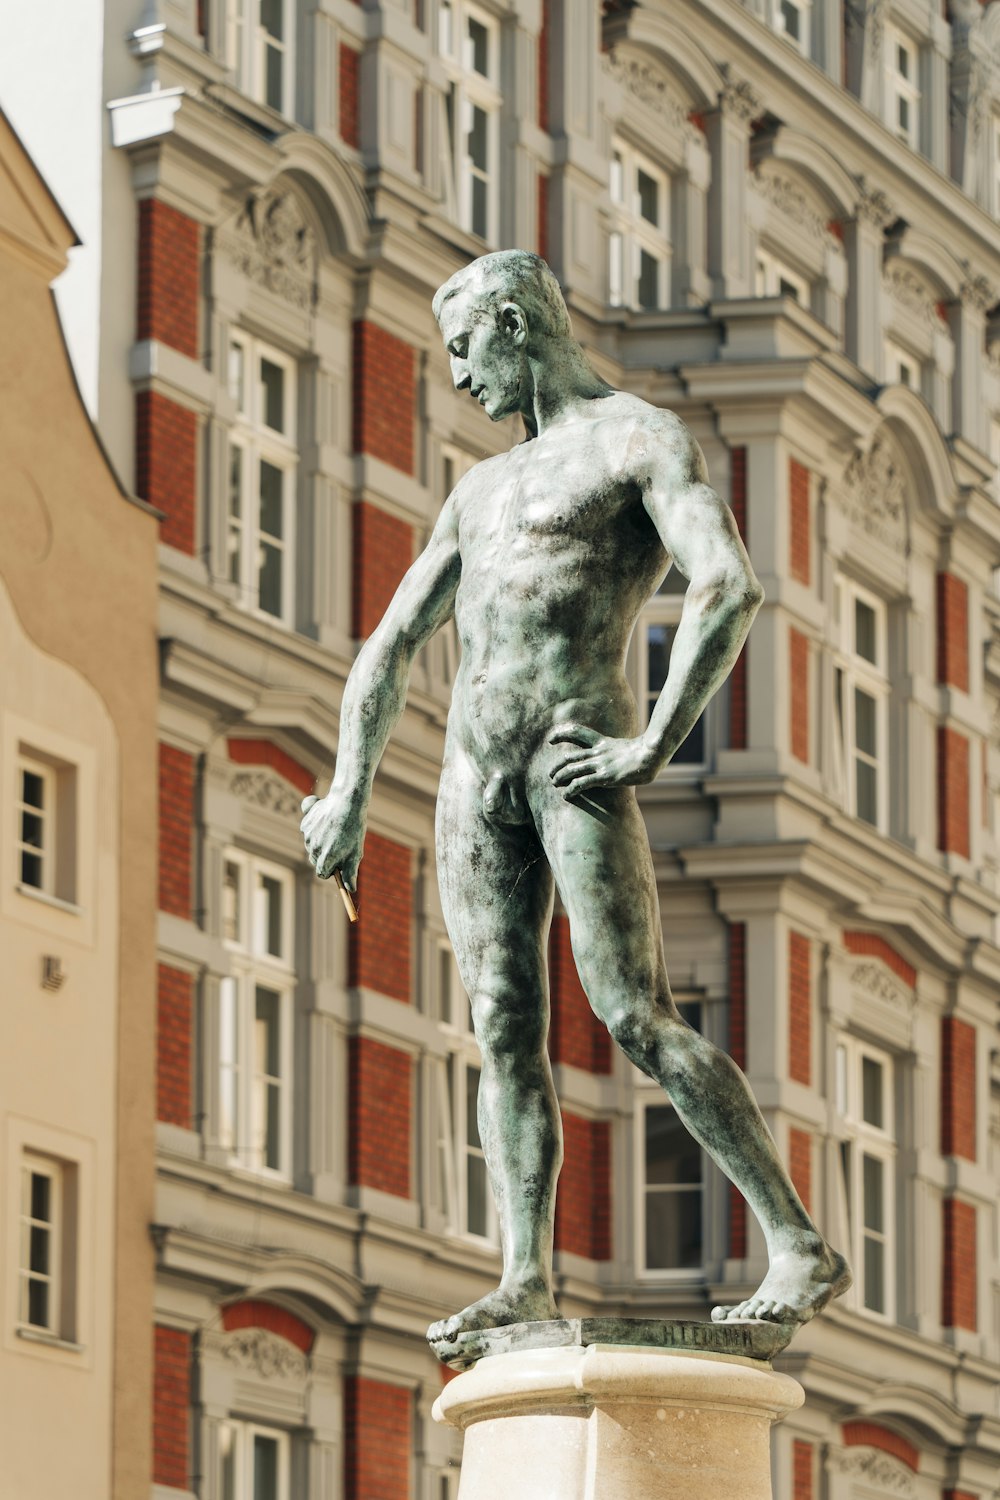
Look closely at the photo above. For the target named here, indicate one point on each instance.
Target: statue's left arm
(698, 531)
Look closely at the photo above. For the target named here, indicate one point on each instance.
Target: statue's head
(494, 314)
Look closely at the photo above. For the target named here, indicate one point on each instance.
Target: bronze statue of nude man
(546, 554)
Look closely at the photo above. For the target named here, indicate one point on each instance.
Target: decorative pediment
(873, 981)
(271, 243)
(265, 789)
(653, 87)
(910, 291)
(879, 1469)
(790, 196)
(265, 1354)
(872, 492)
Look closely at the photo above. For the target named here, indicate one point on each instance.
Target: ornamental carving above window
(264, 1353)
(272, 244)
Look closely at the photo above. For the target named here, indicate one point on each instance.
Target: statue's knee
(506, 1028)
(631, 1027)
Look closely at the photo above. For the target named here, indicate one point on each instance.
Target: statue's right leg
(496, 893)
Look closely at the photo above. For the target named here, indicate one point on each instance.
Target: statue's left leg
(599, 854)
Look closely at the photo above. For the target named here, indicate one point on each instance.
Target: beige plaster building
(780, 218)
(77, 894)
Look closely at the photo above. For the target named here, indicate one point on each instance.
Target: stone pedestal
(608, 1422)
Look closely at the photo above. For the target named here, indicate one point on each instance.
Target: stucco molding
(876, 1467)
(265, 1354)
(873, 492)
(264, 789)
(679, 52)
(652, 86)
(871, 980)
(271, 244)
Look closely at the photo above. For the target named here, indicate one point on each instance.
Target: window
(671, 1191)
(260, 512)
(260, 52)
(639, 244)
(902, 90)
(255, 1016)
(466, 1196)
(469, 46)
(45, 832)
(792, 19)
(773, 278)
(656, 633)
(861, 692)
(902, 367)
(865, 1103)
(254, 1462)
(46, 1268)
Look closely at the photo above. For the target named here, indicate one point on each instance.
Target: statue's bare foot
(799, 1283)
(524, 1302)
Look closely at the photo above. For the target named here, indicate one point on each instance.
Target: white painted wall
(51, 60)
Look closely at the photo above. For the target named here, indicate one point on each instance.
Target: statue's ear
(514, 323)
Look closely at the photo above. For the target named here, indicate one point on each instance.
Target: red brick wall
(952, 631)
(350, 95)
(738, 1052)
(953, 791)
(738, 676)
(543, 216)
(870, 945)
(958, 1088)
(378, 1439)
(802, 1470)
(799, 1008)
(254, 1314)
(576, 1036)
(174, 1010)
(379, 942)
(378, 1116)
(263, 753)
(798, 663)
(171, 1406)
(382, 552)
(958, 1495)
(166, 447)
(543, 72)
(799, 560)
(168, 277)
(800, 1164)
(959, 1277)
(583, 1203)
(176, 830)
(872, 1435)
(385, 392)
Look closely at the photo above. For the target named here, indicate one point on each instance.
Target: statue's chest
(560, 492)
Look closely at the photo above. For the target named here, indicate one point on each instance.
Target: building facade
(779, 218)
(78, 712)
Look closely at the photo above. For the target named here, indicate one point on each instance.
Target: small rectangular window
(468, 44)
(659, 638)
(259, 50)
(867, 1163)
(261, 479)
(902, 87)
(639, 245)
(47, 1246)
(45, 810)
(861, 691)
(254, 1462)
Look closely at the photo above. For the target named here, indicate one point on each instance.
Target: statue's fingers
(572, 759)
(573, 770)
(585, 784)
(574, 734)
(307, 802)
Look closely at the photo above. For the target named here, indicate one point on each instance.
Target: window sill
(34, 894)
(51, 1340)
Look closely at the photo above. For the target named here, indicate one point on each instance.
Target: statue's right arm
(374, 695)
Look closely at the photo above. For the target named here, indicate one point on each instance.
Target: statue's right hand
(334, 837)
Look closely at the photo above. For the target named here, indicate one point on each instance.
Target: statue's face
(486, 360)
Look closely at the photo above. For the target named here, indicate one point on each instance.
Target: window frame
(853, 672)
(665, 609)
(770, 271)
(253, 968)
(246, 52)
(898, 357)
(471, 90)
(635, 234)
(803, 8)
(900, 88)
(244, 1433)
(454, 1149)
(258, 443)
(863, 1140)
(48, 813)
(647, 1095)
(35, 1163)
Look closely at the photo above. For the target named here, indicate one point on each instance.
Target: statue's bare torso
(558, 556)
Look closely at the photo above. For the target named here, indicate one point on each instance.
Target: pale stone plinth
(603, 1422)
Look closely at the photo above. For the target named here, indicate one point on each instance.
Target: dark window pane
(268, 1040)
(904, 115)
(31, 829)
(478, 139)
(875, 1275)
(479, 47)
(476, 1187)
(31, 870)
(472, 1107)
(649, 280)
(265, 1468)
(272, 509)
(866, 786)
(871, 1091)
(272, 1143)
(658, 642)
(41, 1243)
(38, 1303)
(788, 288)
(32, 789)
(649, 196)
(269, 581)
(672, 1155)
(41, 1197)
(690, 1011)
(873, 1188)
(272, 18)
(273, 92)
(864, 631)
(272, 379)
(480, 211)
(864, 722)
(272, 909)
(673, 1230)
(792, 20)
(902, 61)
(692, 752)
